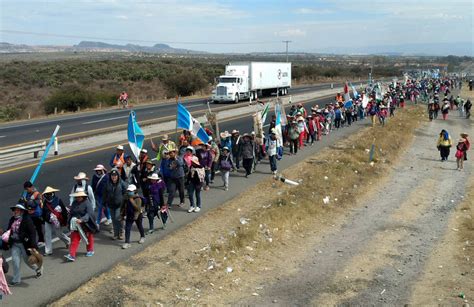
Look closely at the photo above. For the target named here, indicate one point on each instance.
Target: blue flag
(187, 122)
(135, 135)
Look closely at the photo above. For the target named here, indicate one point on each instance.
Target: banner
(186, 121)
(136, 137)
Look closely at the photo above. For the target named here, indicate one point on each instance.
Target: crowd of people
(129, 191)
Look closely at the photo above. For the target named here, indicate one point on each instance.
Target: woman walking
(444, 144)
(195, 180)
(461, 149)
(132, 213)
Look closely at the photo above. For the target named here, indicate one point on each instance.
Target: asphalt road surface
(41, 129)
(60, 277)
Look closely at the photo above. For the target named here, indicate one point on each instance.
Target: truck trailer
(250, 80)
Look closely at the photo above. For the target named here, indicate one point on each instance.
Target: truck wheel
(236, 100)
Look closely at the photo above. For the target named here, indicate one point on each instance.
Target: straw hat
(79, 193)
(235, 131)
(464, 135)
(149, 161)
(191, 148)
(100, 167)
(225, 134)
(225, 148)
(132, 188)
(154, 176)
(50, 190)
(195, 160)
(165, 138)
(120, 147)
(144, 150)
(35, 257)
(19, 206)
(81, 176)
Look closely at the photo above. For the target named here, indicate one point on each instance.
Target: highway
(60, 277)
(77, 124)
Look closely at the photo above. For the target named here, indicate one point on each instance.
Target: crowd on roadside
(128, 191)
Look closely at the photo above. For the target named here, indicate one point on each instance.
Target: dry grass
(190, 266)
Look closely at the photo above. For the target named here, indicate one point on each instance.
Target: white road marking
(104, 120)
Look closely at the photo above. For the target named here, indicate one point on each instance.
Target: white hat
(154, 176)
(81, 176)
(225, 134)
(100, 167)
(49, 189)
(120, 147)
(132, 188)
(190, 148)
(18, 206)
(144, 150)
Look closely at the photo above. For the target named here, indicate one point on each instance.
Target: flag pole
(43, 158)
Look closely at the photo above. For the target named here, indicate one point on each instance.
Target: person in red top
(123, 99)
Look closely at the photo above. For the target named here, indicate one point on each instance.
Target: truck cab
(230, 88)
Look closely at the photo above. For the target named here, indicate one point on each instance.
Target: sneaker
(47, 254)
(191, 209)
(14, 283)
(142, 240)
(108, 222)
(164, 226)
(90, 254)
(103, 220)
(39, 272)
(70, 258)
(197, 209)
(120, 237)
(226, 189)
(149, 232)
(41, 244)
(126, 245)
(181, 204)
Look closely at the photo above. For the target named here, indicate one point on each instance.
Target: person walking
(235, 140)
(225, 165)
(467, 108)
(99, 180)
(156, 202)
(81, 184)
(82, 225)
(195, 180)
(113, 195)
(247, 153)
(444, 144)
(272, 151)
(445, 109)
(461, 149)
(35, 209)
(22, 242)
(132, 213)
(55, 217)
(293, 136)
(176, 180)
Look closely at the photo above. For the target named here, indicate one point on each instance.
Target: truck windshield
(228, 80)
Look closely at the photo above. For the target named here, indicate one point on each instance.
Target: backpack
(225, 164)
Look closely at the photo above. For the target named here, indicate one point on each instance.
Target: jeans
(116, 221)
(18, 253)
(154, 211)
(38, 221)
(273, 162)
(194, 189)
(128, 227)
(175, 183)
(247, 164)
(225, 178)
(49, 232)
(293, 146)
(76, 239)
(101, 207)
(207, 176)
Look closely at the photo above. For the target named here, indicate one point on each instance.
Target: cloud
(312, 11)
(291, 33)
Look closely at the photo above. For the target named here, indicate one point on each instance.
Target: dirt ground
(380, 239)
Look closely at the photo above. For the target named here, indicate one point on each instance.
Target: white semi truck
(250, 80)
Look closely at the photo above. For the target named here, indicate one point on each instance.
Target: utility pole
(287, 42)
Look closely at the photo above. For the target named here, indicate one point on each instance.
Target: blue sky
(311, 25)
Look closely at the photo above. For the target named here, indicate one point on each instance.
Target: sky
(240, 25)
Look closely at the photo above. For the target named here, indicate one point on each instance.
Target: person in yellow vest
(118, 159)
(166, 145)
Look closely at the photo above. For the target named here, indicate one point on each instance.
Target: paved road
(59, 277)
(41, 129)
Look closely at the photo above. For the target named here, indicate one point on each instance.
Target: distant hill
(90, 46)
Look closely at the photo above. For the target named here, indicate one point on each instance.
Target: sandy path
(381, 251)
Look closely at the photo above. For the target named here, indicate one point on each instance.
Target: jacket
(114, 193)
(156, 197)
(84, 212)
(247, 150)
(131, 205)
(26, 232)
(205, 157)
(443, 142)
(98, 184)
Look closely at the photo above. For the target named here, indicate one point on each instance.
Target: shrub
(69, 98)
(185, 83)
(10, 112)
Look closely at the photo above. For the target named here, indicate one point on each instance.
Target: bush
(68, 98)
(9, 112)
(186, 83)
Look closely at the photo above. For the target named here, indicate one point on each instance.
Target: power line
(133, 40)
